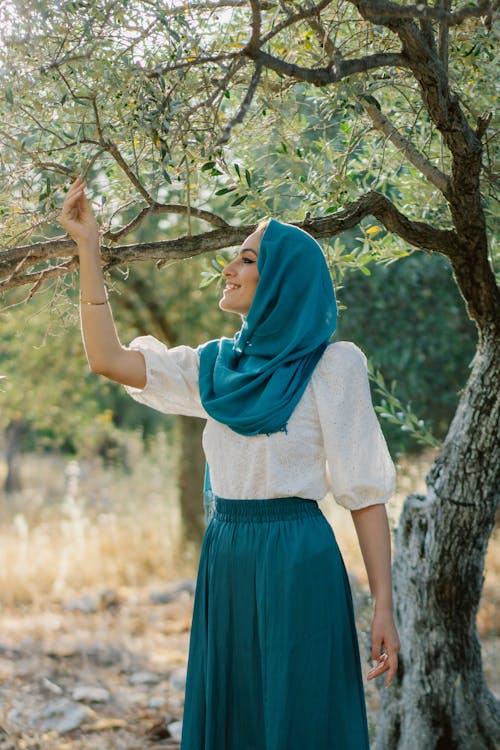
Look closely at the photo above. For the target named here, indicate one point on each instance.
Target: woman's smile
(242, 276)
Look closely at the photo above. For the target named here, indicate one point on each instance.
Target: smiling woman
(242, 276)
(273, 657)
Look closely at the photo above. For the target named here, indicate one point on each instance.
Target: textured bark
(190, 477)
(440, 699)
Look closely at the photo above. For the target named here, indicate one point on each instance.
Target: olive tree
(336, 114)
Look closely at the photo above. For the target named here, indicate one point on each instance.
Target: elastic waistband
(274, 509)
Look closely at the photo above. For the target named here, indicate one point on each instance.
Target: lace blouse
(333, 439)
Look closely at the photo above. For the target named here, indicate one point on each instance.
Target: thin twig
(383, 123)
(245, 105)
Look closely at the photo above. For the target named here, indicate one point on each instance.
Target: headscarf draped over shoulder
(253, 381)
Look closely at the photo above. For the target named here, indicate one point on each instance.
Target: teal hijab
(253, 381)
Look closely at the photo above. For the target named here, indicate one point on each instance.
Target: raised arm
(105, 354)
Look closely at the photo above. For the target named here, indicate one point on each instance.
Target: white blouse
(334, 423)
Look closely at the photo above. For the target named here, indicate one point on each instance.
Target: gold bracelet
(88, 302)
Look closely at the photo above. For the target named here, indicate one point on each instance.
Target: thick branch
(256, 24)
(472, 271)
(382, 123)
(220, 5)
(416, 233)
(445, 112)
(38, 277)
(335, 72)
(444, 35)
(383, 11)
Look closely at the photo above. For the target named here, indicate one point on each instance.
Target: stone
(175, 729)
(91, 694)
(156, 701)
(104, 655)
(51, 687)
(144, 678)
(10, 652)
(92, 603)
(63, 716)
(163, 597)
(88, 604)
(171, 594)
(178, 679)
(188, 585)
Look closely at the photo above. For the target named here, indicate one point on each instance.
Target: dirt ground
(84, 667)
(127, 643)
(130, 646)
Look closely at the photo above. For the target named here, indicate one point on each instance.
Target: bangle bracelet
(89, 302)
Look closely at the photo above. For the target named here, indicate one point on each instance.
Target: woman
(273, 660)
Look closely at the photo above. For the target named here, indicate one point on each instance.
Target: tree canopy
(217, 113)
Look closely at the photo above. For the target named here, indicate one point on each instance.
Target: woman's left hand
(385, 645)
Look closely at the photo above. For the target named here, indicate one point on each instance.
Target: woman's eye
(248, 260)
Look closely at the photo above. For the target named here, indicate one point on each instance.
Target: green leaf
(248, 178)
(240, 200)
(9, 95)
(208, 165)
(208, 279)
(225, 190)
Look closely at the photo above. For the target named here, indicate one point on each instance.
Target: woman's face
(242, 276)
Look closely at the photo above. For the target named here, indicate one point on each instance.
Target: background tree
(154, 98)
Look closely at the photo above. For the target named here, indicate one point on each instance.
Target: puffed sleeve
(361, 469)
(171, 378)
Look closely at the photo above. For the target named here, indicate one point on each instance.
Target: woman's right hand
(77, 217)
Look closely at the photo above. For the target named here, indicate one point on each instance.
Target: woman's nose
(228, 270)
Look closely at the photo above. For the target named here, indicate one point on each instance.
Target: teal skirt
(273, 656)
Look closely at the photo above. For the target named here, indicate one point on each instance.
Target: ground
(96, 604)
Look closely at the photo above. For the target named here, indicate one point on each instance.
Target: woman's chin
(225, 305)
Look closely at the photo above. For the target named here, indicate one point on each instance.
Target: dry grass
(81, 526)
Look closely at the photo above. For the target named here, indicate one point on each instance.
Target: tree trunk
(16, 430)
(440, 699)
(191, 471)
